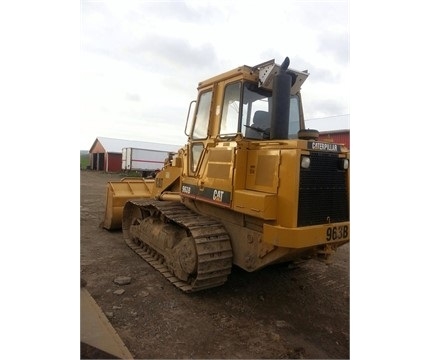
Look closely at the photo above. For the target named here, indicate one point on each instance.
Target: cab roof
(262, 73)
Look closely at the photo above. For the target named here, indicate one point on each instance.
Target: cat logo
(218, 195)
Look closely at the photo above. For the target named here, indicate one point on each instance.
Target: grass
(84, 161)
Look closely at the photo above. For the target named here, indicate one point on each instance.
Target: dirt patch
(279, 312)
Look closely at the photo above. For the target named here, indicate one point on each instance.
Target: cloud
(326, 15)
(186, 12)
(174, 52)
(141, 61)
(325, 107)
(336, 44)
(149, 33)
(133, 97)
(328, 23)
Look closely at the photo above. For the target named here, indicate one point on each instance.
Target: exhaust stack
(281, 103)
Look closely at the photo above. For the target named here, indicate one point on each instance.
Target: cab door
(198, 138)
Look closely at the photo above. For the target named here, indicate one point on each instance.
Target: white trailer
(143, 160)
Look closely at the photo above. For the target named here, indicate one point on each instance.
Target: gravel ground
(297, 312)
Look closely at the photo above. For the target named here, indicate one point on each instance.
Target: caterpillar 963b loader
(252, 186)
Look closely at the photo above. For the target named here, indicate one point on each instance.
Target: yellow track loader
(252, 186)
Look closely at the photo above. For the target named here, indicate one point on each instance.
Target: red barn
(106, 153)
(336, 136)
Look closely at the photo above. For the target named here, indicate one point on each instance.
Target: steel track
(212, 243)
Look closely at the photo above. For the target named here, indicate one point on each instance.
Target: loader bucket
(118, 193)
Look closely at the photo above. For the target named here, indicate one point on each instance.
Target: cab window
(201, 123)
(229, 123)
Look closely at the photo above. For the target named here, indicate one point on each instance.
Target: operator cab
(240, 104)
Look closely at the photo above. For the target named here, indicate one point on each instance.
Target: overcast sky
(141, 61)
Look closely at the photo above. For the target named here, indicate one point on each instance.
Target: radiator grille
(323, 195)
